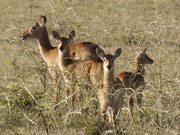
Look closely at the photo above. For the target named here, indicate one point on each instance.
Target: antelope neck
(64, 58)
(108, 79)
(44, 42)
(139, 67)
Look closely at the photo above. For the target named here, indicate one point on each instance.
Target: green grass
(129, 24)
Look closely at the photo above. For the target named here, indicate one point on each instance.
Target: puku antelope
(77, 70)
(110, 101)
(136, 80)
(51, 54)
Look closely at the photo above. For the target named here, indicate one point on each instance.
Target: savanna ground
(26, 93)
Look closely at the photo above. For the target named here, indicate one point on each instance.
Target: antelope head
(36, 30)
(108, 60)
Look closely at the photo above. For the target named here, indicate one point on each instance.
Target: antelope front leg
(139, 96)
(56, 87)
(81, 100)
(72, 101)
(131, 105)
(67, 99)
(72, 95)
(103, 113)
(139, 102)
(56, 79)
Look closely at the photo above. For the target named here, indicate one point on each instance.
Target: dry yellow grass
(26, 93)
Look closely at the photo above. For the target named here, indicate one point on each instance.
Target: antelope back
(84, 51)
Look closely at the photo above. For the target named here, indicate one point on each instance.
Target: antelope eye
(33, 29)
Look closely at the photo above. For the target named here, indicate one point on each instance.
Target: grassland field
(27, 96)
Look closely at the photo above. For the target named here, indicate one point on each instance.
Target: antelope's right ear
(72, 34)
(116, 54)
(43, 20)
(143, 50)
(100, 53)
(56, 35)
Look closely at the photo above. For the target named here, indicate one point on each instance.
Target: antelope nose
(108, 67)
(61, 48)
(152, 61)
(22, 38)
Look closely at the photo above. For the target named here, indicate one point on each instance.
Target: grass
(26, 92)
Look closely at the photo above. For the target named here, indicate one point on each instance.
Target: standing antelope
(77, 70)
(110, 102)
(51, 54)
(136, 80)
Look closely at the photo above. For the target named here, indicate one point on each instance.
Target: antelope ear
(56, 35)
(43, 20)
(100, 53)
(116, 54)
(72, 34)
(144, 50)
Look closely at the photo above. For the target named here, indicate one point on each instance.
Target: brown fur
(83, 71)
(84, 50)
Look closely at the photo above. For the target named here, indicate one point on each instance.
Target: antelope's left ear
(72, 34)
(100, 53)
(56, 36)
(43, 20)
(116, 54)
(144, 50)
